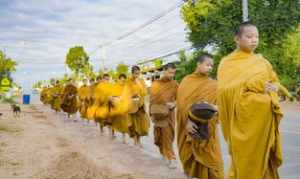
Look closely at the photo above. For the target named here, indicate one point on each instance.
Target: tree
(182, 56)
(88, 71)
(291, 60)
(122, 69)
(77, 60)
(7, 65)
(213, 23)
(158, 63)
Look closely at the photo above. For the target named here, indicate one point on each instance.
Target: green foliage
(213, 23)
(6, 64)
(77, 60)
(88, 71)
(8, 100)
(158, 63)
(291, 48)
(122, 69)
(113, 74)
(38, 84)
(182, 56)
(187, 65)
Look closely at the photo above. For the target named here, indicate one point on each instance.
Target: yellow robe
(200, 158)
(83, 94)
(90, 113)
(55, 97)
(139, 120)
(46, 96)
(250, 117)
(102, 93)
(163, 91)
(119, 108)
(43, 95)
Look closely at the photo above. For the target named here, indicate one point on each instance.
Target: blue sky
(38, 33)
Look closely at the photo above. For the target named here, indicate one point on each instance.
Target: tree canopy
(213, 23)
(77, 60)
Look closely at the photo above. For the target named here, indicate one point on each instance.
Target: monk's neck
(165, 79)
(199, 74)
(134, 79)
(243, 52)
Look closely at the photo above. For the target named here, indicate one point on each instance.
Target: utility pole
(103, 56)
(245, 10)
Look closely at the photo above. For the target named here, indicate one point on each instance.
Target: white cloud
(38, 33)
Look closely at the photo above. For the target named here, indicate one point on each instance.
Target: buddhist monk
(200, 158)
(119, 107)
(249, 109)
(163, 95)
(83, 95)
(92, 106)
(46, 95)
(69, 99)
(56, 91)
(137, 114)
(101, 95)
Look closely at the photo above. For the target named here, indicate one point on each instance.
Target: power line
(148, 42)
(165, 55)
(142, 26)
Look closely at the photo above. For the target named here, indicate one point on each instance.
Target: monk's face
(206, 66)
(136, 74)
(122, 80)
(106, 78)
(248, 39)
(170, 73)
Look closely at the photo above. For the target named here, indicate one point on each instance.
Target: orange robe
(91, 109)
(102, 93)
(200, 158)
(249, 116)
(119, 108)
(83, 94)
(140, 122)
(45, 96)
(163, 91)
(69, 99)
(55, 97)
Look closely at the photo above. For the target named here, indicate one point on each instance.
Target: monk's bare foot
(124, 139)
(135, 141)
(112, 134)
(172, 164)
(139, 144)
(101, 129)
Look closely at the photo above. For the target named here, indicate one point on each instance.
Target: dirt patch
(73, 165)
(9, 128)
(61, 142)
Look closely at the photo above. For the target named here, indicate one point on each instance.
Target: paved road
(290, 128)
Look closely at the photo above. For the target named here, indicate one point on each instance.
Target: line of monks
(245, 95)
(117, 105)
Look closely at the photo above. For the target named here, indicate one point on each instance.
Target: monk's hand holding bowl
(171, 105)
(191, 127)
(271, 87)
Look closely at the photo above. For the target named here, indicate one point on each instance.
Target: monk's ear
(236, 39)
(198, 65)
